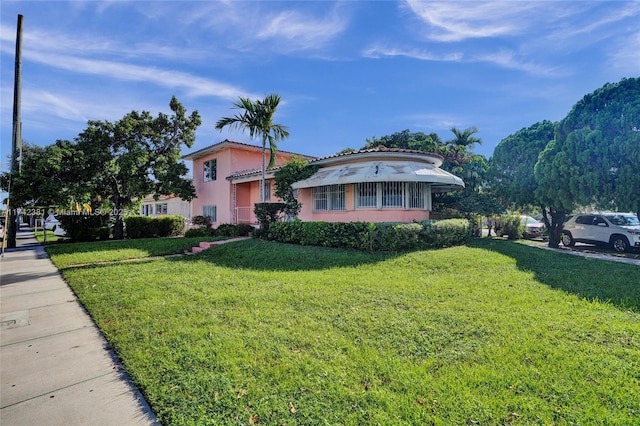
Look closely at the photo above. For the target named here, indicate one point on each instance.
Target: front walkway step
(204, 245)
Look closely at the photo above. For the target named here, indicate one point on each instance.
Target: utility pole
(16, 146)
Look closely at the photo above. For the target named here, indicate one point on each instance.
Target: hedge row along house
(373, 185)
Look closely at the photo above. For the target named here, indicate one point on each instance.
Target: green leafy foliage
(511, 170)
(510, 225)
(136, 156)
(201, 221)
(268, 213)
(372, 236)
(199, 232)
(85, 227)
(295, 170)
(256, 117)
(162, 226)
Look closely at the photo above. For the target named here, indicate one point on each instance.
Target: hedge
(146, 227)
(372, 236)
(85, 227)
(224, 230)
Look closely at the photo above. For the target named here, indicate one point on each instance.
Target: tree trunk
(555, 225)
(264, 170)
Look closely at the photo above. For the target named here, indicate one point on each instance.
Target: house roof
(379, 164)
(382, 165)
(377, 152)
(383, 171)
(228, 143)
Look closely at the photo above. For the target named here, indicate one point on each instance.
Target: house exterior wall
(404, 181)
(174, 206)
(219, 192)
(353, 214)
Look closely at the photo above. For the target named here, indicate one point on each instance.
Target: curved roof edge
(389, 170)
(381, 152)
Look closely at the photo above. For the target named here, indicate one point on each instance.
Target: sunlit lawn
(255, 332)
(108, 251)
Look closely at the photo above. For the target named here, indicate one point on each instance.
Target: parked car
(619, 230)
(532, 228)
(51, 222)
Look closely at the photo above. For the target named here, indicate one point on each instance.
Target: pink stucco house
(374, 185)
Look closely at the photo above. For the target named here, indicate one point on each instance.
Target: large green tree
(256, 117)
(40, 183)
(405, 139)
(592, 160)
(511, 170)
(600, 142)
(137, 156)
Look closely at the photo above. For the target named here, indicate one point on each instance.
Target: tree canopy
(136, 156)
(591, 158)
(511, 170)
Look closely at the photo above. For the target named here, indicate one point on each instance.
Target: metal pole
(16, 145)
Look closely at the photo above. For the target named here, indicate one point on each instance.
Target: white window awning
(383, 171)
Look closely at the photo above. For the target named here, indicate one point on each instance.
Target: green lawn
(257, 332)
(71, 254)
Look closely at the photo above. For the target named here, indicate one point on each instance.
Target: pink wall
(219, 192)
(356, 215)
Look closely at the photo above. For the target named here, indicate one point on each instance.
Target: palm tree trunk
(264, 156)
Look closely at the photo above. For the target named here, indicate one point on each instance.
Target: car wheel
(567, 239)
(619, 243)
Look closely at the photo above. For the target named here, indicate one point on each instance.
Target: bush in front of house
(231, 230)
(372, 236)
(147, 227)
(268, 213)
(446, 233)
(85, 227)
(199, 232)
(511, 226)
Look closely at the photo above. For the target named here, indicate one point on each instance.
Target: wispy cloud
(193, 85)
(293, 30)
(456, 21)
(379, 51)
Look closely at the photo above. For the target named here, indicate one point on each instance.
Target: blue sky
(346, 71)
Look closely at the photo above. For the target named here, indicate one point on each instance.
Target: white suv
(620, 230)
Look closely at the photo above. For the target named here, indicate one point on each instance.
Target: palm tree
(257, 118)
(455, 150)
(464, 138)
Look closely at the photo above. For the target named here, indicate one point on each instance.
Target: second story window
(210, 170)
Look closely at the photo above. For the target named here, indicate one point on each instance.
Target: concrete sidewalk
(55, 366)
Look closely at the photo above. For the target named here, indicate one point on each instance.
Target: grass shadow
(263, 255)
(591, 279)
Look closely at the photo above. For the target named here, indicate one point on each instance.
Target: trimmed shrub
(85, 227)
(147, 227)
(244, 229)
(268, 213)
(202, 221)
(371, 236)
(199, 232)
(446, 233)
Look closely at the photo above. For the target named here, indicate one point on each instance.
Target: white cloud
(456, 21)
(626, 54)
(381, 51)
(296, 31)
(193, 85)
